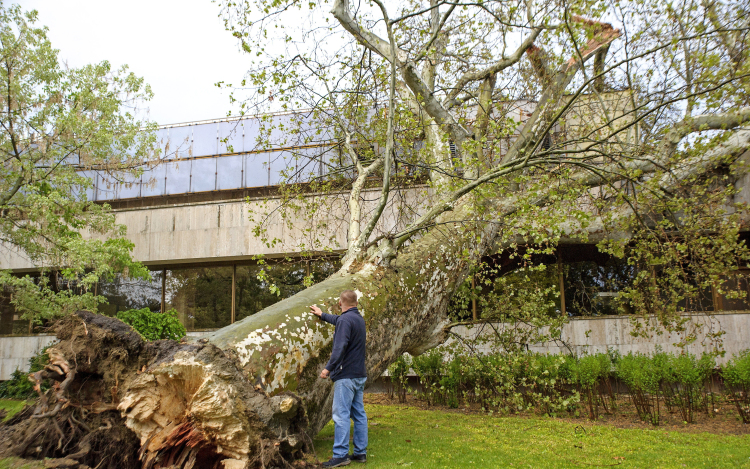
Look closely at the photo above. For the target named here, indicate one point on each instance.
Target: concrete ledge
(593, 335)
(16, 351)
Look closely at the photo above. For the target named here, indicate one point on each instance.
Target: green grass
(16, 463)
(11, 406)
(409, 437)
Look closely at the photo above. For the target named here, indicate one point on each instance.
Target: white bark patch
(298, 351)
(298, 340)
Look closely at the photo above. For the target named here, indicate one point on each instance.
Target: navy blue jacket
(349, 343)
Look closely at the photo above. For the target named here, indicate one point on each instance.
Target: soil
(724, 421)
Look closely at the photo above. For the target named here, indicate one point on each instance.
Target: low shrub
(643, 375)
(398, 373)
(429, 369)
(589, 373)
(453, 380)
(547, 380)
(154, 325)
(504, 382)
(736, 374)
(685, 378)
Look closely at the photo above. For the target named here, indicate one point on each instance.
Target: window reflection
(591, 289)
(10, 319)
(253, 295)
(201, 296)
(736, 288)
(124, 293)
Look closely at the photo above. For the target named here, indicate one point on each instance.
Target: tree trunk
(250, 392)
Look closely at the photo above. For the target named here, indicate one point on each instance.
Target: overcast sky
(179, 46)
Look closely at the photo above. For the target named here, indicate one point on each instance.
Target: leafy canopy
(59, 127)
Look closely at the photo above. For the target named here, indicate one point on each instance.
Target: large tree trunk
(250, 392)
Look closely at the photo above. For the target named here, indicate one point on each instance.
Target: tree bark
(252, 385)
(249, 394)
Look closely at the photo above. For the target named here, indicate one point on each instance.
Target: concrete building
(190, 220)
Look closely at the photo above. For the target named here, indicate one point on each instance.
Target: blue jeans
(347, 403)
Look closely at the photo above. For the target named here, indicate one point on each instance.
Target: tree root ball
(118, 401)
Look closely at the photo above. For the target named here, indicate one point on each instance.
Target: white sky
(179, 46)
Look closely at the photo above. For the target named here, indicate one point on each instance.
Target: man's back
(349, 345)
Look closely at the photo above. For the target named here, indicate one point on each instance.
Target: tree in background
(58, 127)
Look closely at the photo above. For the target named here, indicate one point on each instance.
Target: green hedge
(556, 384)
(154, 325)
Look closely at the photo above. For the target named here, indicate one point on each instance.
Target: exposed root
(120, 402)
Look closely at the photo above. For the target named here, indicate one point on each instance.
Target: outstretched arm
(329, 318)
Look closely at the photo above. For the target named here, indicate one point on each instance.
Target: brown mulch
(725, 421)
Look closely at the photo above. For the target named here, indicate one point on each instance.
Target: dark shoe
(337, 462)
(359, 457)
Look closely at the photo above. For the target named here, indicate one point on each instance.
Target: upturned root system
(117, 401)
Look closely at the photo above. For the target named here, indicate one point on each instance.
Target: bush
(589, 374)
(507, 382)
(429, 369)
(546, 380)
(154, 326)
(453, 380)
(685, 378)
(398, 372)
(19, 386)
(643, 376)
(736, 374)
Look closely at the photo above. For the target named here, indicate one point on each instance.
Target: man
(346, 368)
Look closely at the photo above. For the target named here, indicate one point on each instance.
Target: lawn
(11, 406)
(410, 437)
(402, 436)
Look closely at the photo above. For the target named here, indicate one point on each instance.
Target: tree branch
(689, 125)
(493, 69)
(534, 129)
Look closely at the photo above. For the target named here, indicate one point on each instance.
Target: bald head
(348, 299)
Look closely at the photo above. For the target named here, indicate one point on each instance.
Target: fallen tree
(249, 394)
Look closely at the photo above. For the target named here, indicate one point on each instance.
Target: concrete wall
(223, 231)
(16, 351)
(592, 335)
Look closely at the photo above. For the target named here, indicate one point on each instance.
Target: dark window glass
(254, 295)
(592, 289)
(10, 320)
(202, 296)
(125, 293)
(737, 285)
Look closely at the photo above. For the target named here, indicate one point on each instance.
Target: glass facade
(591, 288)
(202, 295)
(252, 294)
(10, 321)
(737, 292)
(227, 154)
(124, 293)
